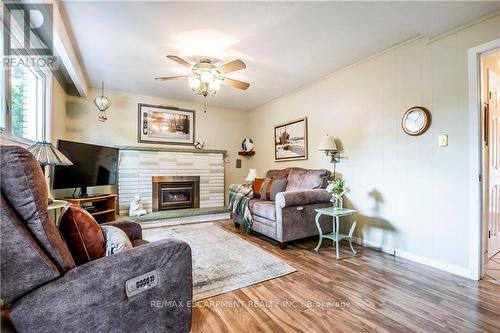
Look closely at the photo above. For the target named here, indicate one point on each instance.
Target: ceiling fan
(206, 78)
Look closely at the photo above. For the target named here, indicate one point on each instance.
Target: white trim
(454, 269)
(7, 139)
(475, 158)
(48, 106)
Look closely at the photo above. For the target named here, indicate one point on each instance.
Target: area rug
(222, 261)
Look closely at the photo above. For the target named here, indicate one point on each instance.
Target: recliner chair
(46, 292)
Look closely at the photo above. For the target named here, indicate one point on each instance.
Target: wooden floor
(370, 292)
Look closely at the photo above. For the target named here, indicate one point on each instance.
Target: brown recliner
(45, 292)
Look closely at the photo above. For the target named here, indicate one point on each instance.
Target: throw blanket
(239, 196)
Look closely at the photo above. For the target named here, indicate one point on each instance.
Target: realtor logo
(28, 35)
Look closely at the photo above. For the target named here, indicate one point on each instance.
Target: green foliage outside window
(17, 95)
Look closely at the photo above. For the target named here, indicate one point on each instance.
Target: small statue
(199, 144)
(136, 208)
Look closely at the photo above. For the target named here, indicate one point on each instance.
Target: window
(26, 103)
(25, 93)
(3, 90)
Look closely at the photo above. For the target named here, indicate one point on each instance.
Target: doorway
(490, 115)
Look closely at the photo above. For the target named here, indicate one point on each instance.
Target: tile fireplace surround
(136, 168)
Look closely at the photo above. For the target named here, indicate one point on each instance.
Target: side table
(56, 206)
(335, 236)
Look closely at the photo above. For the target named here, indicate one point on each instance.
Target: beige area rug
(222, 261)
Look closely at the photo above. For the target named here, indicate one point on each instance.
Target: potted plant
(337, 187)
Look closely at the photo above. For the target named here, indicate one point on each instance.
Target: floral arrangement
(338, 188)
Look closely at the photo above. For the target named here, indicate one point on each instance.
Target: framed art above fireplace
(165, 125)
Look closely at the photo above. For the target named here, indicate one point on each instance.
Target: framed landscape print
(290, 141)
(166, 125)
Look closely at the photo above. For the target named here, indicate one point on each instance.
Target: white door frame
(475, 160)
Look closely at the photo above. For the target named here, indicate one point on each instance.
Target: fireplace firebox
(175, 192)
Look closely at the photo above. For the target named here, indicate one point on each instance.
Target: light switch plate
(443, 140)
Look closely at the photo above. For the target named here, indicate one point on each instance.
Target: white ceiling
(284, 44)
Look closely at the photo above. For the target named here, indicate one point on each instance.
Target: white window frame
(15, 35)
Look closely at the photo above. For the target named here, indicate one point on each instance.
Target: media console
(103, 207)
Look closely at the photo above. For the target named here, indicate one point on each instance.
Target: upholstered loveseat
(45, 291)
(291, 215)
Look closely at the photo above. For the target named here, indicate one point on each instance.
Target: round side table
(56, 206)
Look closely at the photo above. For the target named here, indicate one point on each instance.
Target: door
(493, 184)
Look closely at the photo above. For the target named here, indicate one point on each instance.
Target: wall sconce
(328, 146)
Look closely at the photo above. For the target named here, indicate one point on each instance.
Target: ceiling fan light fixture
(206, 76)
(194, 82)
(214, 85)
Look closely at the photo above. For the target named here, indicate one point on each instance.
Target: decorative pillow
(257, 187)
(116, 240)
(82, 233)
(271, 187)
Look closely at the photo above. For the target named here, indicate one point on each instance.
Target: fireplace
(175, 192)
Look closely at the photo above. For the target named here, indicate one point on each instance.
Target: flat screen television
(93, 165)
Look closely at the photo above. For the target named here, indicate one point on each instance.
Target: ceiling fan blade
(180, 61)
(166, 78)
(231, 66)
(235, 83)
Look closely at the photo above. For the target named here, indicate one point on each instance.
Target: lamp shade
(252, 174)
(46, 154)
(327, 144)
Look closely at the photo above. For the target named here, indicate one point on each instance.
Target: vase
(337, 202)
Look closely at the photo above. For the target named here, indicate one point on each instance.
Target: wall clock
(416, 121)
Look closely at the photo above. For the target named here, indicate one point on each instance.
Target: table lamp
(252, 174)
(46, 154)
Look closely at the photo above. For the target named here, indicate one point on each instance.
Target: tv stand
(103, 206)
(86, 196)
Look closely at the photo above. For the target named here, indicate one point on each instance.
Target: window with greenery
(24, 93)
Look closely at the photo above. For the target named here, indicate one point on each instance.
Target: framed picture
(166, 125)
(290, 141)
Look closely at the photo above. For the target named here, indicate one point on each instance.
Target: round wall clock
(247, 145)
(416, 120)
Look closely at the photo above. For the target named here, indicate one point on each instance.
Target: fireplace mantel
(175, 150)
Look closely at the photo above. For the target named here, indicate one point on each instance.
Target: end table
(335, 236)
(56, 206)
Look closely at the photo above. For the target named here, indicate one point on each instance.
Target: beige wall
(412, 195)
(58, 114)
(219, 128)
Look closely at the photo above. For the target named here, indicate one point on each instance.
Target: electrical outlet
(443, 140)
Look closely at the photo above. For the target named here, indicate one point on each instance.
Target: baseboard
(453, 269)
